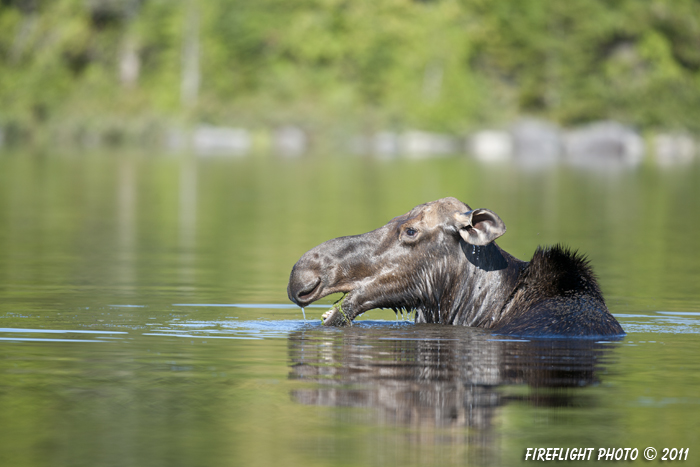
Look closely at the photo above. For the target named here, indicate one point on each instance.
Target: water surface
(144, 318)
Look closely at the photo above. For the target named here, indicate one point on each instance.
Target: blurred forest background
(136, 67)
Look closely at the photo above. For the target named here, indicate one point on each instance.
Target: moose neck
(478, 288)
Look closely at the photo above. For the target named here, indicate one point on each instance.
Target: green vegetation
(74, 66)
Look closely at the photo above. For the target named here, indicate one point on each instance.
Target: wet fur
(555, 294)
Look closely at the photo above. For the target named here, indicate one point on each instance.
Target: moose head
(417, 261)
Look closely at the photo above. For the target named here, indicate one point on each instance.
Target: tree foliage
(445, 64)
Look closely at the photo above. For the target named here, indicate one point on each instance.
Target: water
(144, 317)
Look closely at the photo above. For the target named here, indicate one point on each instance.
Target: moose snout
(304, 285)
(323, 270)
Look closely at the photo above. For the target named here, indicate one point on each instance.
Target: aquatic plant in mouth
(336, 315)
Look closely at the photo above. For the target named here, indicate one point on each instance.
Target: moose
(440, 260)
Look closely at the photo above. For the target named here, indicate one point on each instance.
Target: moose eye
(411, 232)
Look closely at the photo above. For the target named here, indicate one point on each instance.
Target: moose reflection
(440, 376)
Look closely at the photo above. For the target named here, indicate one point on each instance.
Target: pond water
(144, 319)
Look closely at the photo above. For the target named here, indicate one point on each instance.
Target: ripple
(60, 331)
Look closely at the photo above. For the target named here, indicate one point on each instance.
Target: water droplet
(303, 313)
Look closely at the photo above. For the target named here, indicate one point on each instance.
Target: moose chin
(441, 261)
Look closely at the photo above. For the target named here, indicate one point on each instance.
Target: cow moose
(440, 260)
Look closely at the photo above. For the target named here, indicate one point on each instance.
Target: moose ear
(480, 226)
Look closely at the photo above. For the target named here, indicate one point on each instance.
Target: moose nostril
(308, 291)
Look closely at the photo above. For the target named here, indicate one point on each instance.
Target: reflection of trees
(439, 376)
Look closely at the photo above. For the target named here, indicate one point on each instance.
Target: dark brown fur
(440, 261)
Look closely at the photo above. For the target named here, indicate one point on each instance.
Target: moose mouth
(336, 316)
(307, 286)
